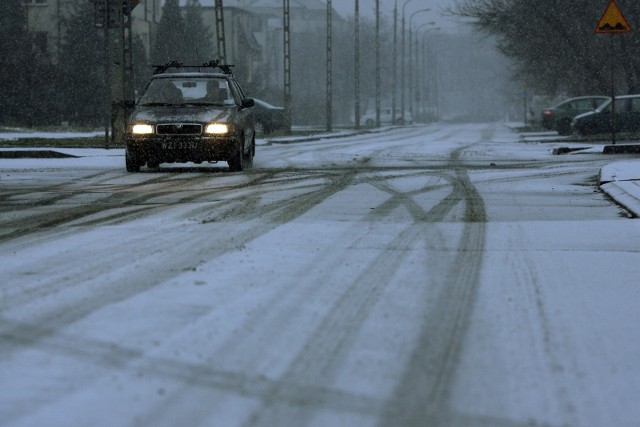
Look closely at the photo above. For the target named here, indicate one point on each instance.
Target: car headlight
(217, 128)
(141, 129)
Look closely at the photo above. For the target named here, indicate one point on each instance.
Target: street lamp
(402, 64)
(329, 105)
(378, 63)
(403, 60)
(357, 63)
(286, 30)
(410, 78)
(429, 80)
(412, 100)
(395, 63)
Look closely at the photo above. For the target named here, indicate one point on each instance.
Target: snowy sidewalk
(621, 182)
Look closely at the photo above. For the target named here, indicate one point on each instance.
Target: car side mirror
(248, 103)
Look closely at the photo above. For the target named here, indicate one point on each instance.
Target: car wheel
(564, 127)
(132, 163)
(237, 159)
(247, 159)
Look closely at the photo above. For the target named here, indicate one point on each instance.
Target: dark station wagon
(191, 115)
(601, 120)
(559, 117)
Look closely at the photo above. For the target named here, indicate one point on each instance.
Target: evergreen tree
(198, 46)
(83, 68)
(14, 57)
(169, 44)
(141, 68)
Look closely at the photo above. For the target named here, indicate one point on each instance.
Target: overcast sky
(367, 8)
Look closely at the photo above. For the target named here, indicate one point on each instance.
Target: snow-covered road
(446, 275)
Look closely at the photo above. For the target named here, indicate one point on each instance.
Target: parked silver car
(386, 118)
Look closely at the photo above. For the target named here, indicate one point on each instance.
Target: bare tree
(554, 45)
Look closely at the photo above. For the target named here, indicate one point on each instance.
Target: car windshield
(188, 91)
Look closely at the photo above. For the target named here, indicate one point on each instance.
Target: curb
(621, 149)
(33, 154)
(622, 192)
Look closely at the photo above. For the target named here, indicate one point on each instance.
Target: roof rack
(225, 68)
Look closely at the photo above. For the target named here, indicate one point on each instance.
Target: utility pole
(287, 65)
(395, 64)
(378, 94)
(329, 66)
(357, 64)
(114, 16)
(402, 65)
(221, 42)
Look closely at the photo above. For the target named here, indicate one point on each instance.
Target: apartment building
(252, 24)
(253, 32)
(45, 22)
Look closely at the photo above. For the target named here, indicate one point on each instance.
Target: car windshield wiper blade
(200, 104)
(159, 104)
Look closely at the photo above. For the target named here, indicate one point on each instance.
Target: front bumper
(181, 149)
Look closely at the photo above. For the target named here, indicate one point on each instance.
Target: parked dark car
(627, 117)
(559, 117)
(188, 115)
(268, 118)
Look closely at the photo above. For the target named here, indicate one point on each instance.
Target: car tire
(247, 159)
(132, 163)
(236, 162)
(564, 127)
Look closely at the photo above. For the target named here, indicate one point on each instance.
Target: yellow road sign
(612, 20)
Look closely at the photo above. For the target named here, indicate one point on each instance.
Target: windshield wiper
(159, 104)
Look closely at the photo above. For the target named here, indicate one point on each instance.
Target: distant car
(559, 117)
(386, 118)
(191, 116)
(268, 118)
(627, 118)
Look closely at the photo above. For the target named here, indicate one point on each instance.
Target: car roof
(577, 98)
(189, 75)
(587, 97)
(627, 96)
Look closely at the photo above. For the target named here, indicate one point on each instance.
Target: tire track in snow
(421, 397)
(121, 287)
(321, 357)
(306, 391)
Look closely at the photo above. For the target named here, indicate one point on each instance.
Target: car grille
(179, 129)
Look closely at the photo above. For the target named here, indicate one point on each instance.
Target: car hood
(182, 114)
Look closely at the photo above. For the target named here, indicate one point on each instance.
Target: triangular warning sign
(612, 20)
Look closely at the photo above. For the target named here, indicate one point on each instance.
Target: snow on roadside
(48, 135)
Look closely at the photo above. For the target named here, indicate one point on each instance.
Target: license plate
(179, 145)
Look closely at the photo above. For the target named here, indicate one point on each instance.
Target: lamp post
(357, 63)
(378, 63)
(395, 63)
(417, 61)
(402, 62)
(329, 67)
(410, 78)
(287, 64)
(431, 76)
